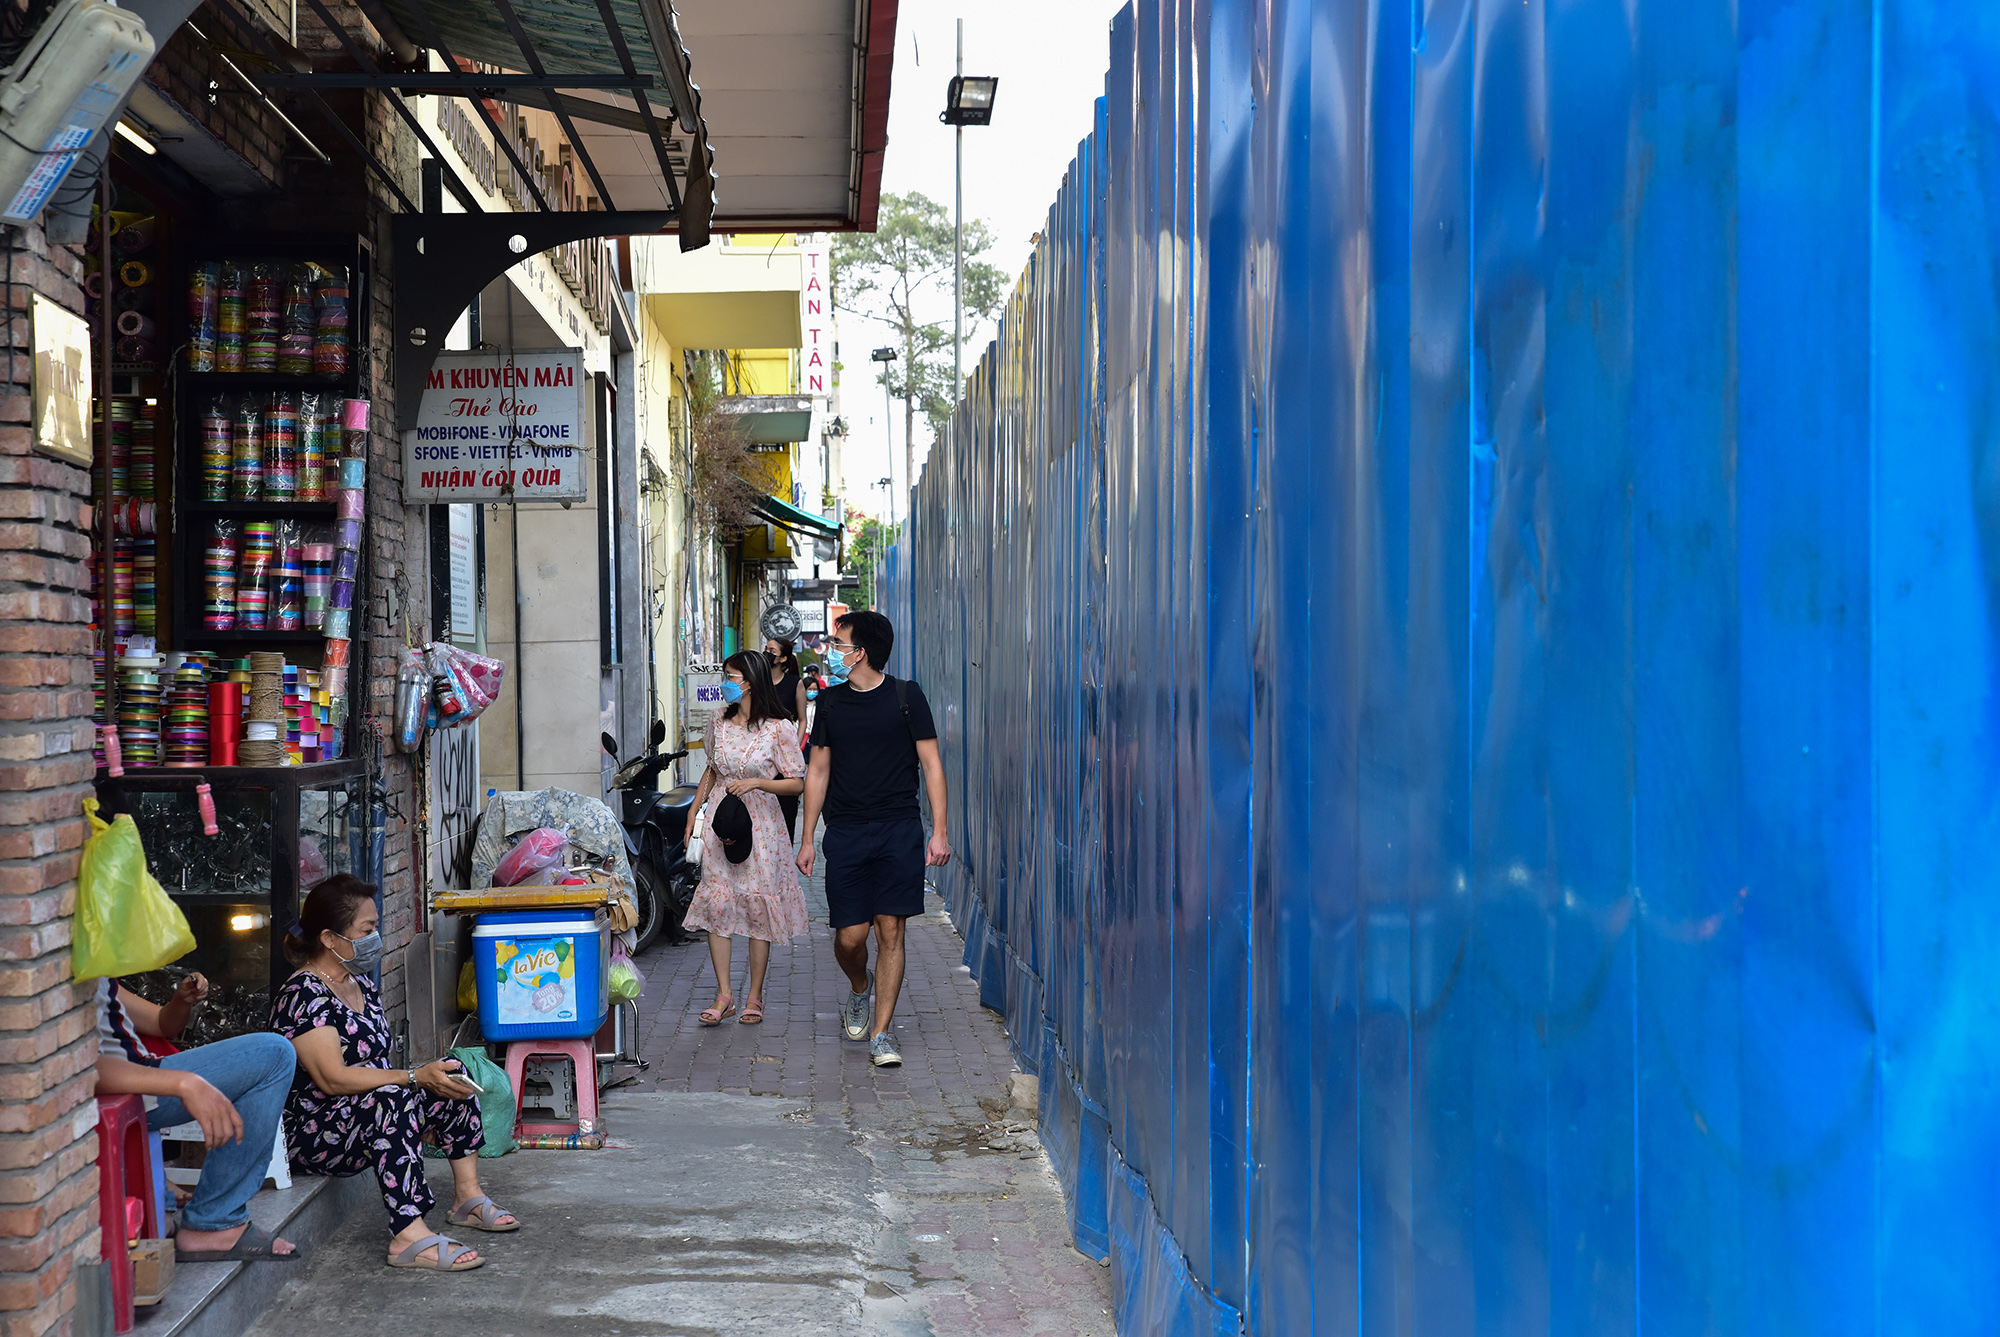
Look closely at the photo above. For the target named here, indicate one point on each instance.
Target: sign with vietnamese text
(704, 699)
(62, 382)
(499, 427)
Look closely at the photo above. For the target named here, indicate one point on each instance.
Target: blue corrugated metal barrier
(1462, 605)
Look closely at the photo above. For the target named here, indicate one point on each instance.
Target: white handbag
(697, 827)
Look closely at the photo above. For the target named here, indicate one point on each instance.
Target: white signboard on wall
(815, 323)
(499, 427)
(704, 698)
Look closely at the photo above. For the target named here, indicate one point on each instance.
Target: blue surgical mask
(732, 692)
(367, 952)
(812, 693)
(836, 666)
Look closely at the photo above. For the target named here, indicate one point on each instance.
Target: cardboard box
(152, 1270)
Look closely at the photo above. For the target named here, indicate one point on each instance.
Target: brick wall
(48, 1126)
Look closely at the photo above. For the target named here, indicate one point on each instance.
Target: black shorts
(873, 868)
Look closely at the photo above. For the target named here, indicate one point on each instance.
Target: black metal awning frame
(444, 261)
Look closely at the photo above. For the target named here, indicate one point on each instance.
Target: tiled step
(223, 1299)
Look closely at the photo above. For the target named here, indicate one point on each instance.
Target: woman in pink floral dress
(753, 752)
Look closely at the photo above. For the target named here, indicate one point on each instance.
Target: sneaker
(882, 1053)
(856, 1015)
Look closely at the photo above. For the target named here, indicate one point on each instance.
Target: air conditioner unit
(72, 77)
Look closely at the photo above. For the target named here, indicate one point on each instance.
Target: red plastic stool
(125, 1204)
(583, 1055)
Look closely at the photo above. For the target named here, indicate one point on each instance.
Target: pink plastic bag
(539, 849)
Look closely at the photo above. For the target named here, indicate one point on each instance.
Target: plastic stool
(124, 1174)
(582, 1054)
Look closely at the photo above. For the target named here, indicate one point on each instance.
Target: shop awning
(767, 420)
(613, 73)
(787, 516)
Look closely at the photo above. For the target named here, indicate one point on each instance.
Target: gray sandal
(450, 1251)
(482, 1214)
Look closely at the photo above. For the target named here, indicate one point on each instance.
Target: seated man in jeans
(235, 1089)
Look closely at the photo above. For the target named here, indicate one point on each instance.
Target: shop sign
(62, 382)
(463, 541)
(704, 698)
(812, 615)
(816, 369)
(499, 427)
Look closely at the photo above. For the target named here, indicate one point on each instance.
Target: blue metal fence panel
(1461, 602)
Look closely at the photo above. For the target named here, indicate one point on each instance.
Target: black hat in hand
(731, 825)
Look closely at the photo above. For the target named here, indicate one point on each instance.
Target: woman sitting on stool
(348, 1110)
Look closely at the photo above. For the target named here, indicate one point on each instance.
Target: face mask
(812, 693)
(732, 692)
(836, 667)
(367, 952)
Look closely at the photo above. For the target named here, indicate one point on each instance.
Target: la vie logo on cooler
(500, 427)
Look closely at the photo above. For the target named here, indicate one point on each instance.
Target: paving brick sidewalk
(974, 1210)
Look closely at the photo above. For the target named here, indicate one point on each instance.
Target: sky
(1050, 57)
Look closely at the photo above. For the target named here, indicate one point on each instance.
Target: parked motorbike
(656, 825)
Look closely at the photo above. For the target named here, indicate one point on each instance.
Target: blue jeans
(255, 1072)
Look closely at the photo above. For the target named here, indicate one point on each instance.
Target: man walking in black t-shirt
(869, 737)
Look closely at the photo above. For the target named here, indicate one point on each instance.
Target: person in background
(815, 683)
(871, 736)
(350, 1111)
(235, 1089)
(790, 683)
(753, 752)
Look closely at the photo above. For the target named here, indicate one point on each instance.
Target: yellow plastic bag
(468, 989)
(125, 925)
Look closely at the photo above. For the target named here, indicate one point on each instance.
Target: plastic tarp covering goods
(1462, 605)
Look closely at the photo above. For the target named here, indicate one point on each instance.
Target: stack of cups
(219, 578)
(264, 726)
(215, 452)
(185, 735)
(253, 575)
(318, 581)
(139, 697)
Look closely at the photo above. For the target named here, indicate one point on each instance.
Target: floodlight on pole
(968, 100)
(885, 356)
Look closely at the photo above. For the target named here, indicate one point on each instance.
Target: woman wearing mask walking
(789, 682)
(749, 888)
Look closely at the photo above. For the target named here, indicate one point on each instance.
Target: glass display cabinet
(280, 830)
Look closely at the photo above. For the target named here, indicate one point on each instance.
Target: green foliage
(906, 262)
(869, 539)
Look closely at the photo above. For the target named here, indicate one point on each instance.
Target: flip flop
(252, 1246)
(449, 1253)
(752, 1014)
(711, 1017)
(480, 1213)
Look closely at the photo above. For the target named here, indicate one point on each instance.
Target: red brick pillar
(48, 1125)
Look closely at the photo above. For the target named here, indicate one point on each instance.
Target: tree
(871, 538)
(905, 264)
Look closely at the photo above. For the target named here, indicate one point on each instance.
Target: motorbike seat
(672, 811)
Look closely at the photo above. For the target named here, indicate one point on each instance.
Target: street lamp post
(966, 102)
(885, 356)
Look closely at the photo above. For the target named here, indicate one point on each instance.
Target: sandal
(450, 1251)
(752, 1014)
(482, 1213)
(252, 1246)
(715, 1016)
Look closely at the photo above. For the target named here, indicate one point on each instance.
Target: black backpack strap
(903, 700)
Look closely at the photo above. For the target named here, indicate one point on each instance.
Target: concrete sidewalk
(760, 1180)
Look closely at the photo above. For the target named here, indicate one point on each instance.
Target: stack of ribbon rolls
(350, 508)
(264, 725)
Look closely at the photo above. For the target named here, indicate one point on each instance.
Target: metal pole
(889, 426)
(958, 246)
